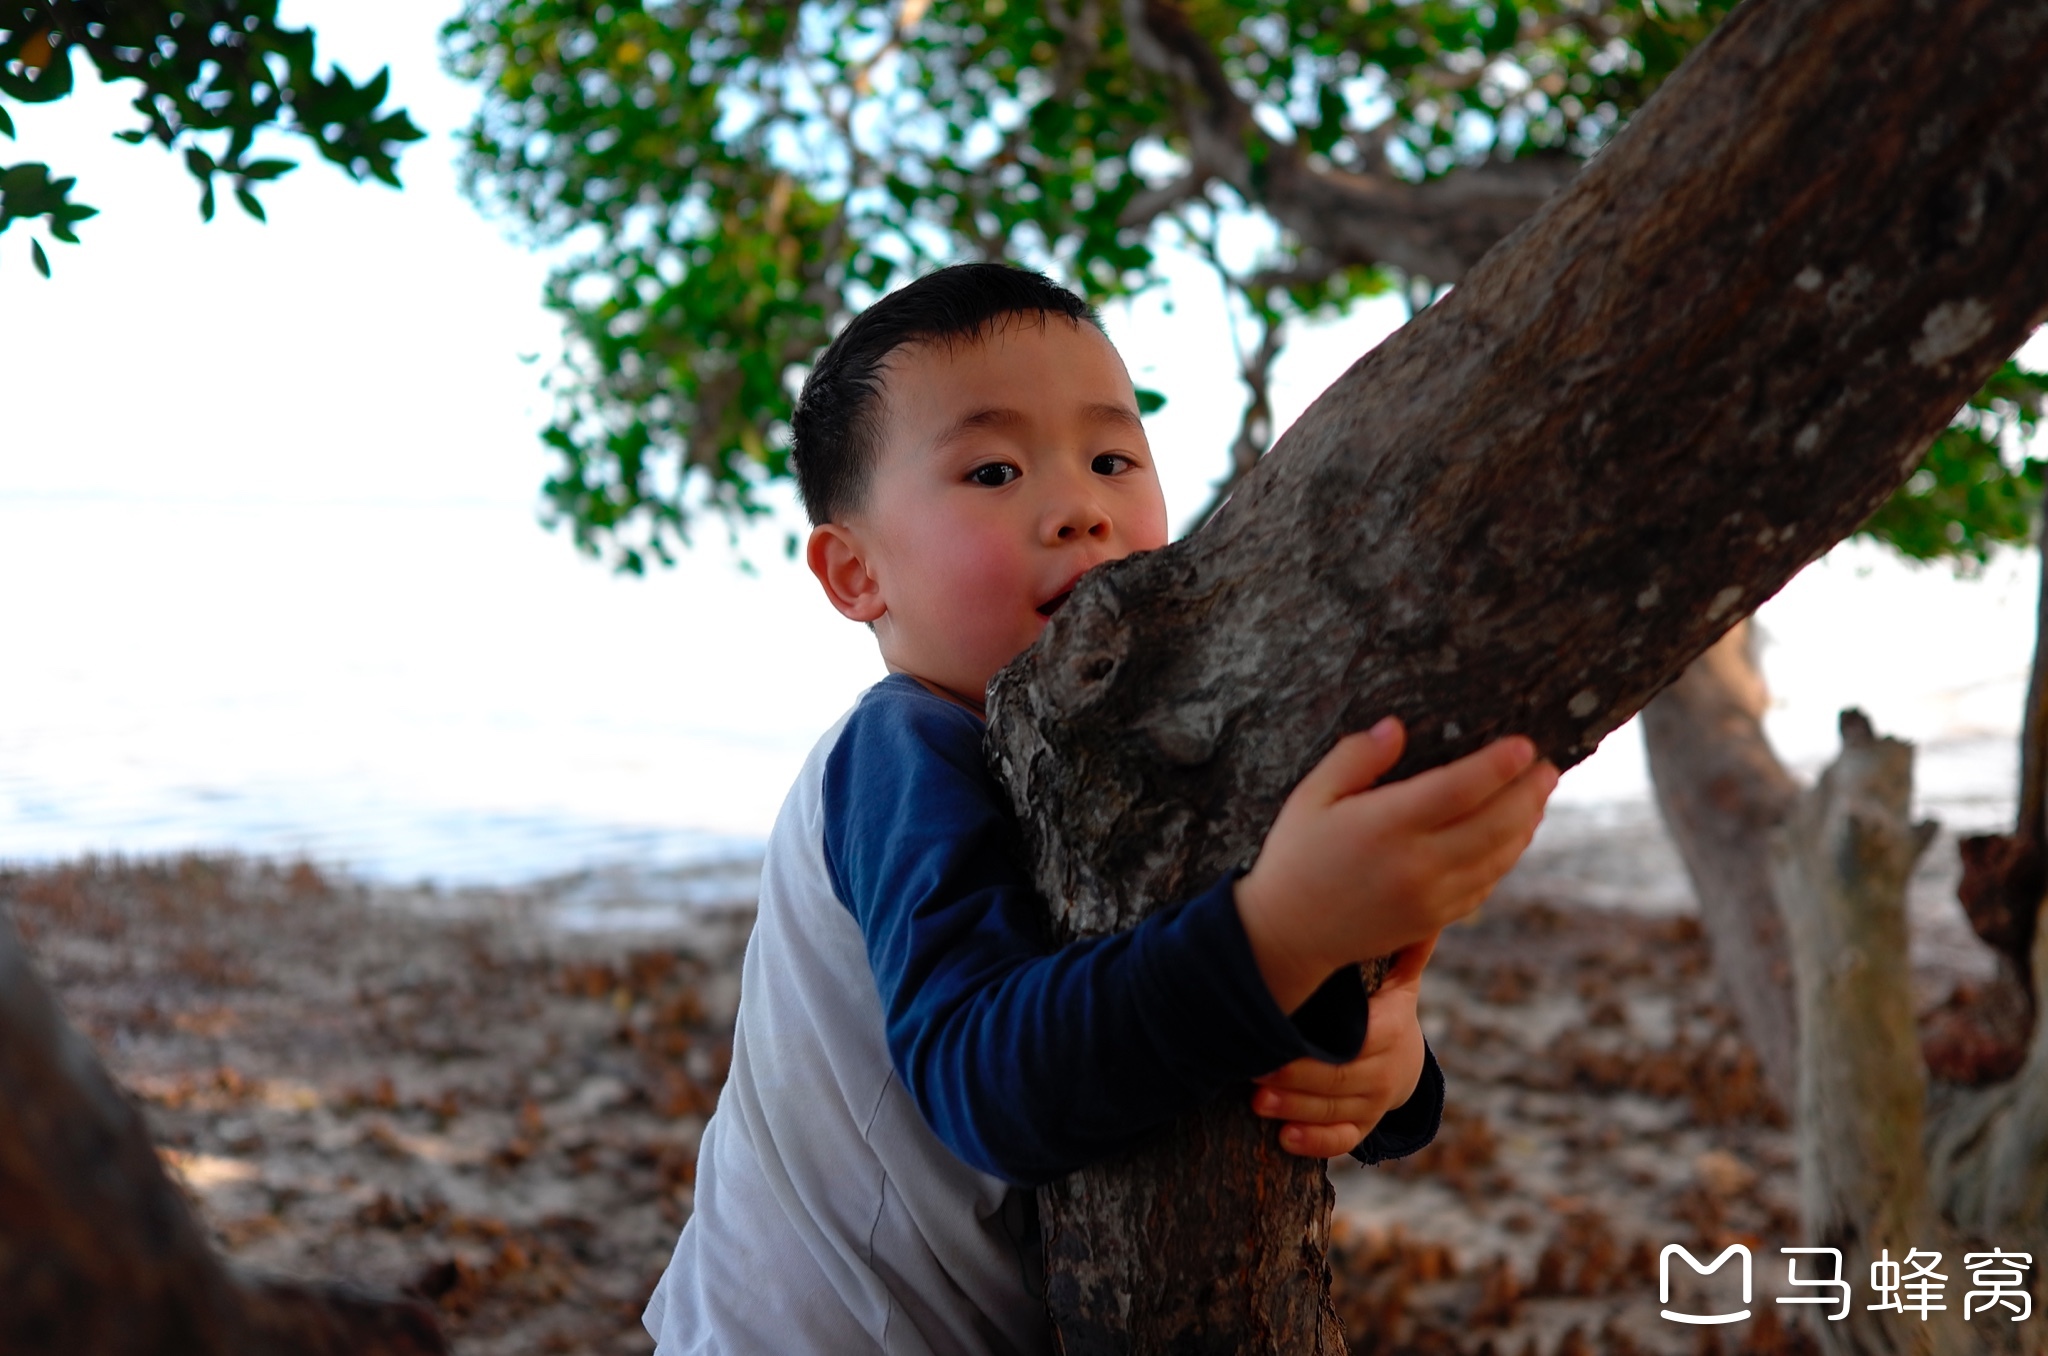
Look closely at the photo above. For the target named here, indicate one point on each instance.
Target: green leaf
(40, 259)
(208, 79)
(1149, 401)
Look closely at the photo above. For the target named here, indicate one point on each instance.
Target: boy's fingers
(1320, 1141)
(1312, 1110)
(1409, 963)
(1510, 818)
(1444, 795)
(1314, 1078)
(1355, 762)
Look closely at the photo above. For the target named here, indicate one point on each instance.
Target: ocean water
(467, 703)
(464, 701)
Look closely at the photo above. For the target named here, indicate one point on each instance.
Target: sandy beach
(491, 1098)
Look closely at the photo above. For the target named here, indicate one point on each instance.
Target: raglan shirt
(912, 1054)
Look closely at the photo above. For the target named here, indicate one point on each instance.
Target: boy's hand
(1352, 871)
(1329, 1108)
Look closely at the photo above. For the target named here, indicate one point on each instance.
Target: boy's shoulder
(906, 775)
(902, 713)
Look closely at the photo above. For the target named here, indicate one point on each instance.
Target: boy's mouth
(1055, 603)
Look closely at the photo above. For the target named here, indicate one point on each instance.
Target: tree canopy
(732, 180)
(209, 76)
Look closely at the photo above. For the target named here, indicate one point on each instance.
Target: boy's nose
(1081, 516)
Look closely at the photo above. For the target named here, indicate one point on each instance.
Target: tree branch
(1436, 229)
(1255, 426)
(1698, 367)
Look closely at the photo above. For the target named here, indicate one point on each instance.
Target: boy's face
(1005, 468)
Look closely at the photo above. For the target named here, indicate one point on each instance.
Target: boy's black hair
(832, 433)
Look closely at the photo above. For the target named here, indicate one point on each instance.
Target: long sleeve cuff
(1411, 1125)
(1329, 1026)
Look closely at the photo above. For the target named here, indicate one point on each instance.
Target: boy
(911, 1056)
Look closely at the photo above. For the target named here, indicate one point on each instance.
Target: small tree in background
(208, 77)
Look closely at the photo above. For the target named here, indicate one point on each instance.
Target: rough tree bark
(1698, 367)
(99, 1255)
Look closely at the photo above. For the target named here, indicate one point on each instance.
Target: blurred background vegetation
(725, 181)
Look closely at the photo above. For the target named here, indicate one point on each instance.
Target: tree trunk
(99, 1255)
(1722, 792)
(2006, 875)
(1697, 368)
(1840, 862)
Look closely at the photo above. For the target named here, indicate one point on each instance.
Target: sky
(272, 576)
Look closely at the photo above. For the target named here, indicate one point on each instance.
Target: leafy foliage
(1979, 487)
(733, 178)
(736, 177)
(212, 74)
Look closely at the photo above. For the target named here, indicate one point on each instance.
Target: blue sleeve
(1411, 1125)
(1029, 1060)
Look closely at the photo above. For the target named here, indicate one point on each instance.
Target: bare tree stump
(1840, 863)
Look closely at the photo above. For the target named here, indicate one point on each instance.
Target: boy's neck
(940, 690)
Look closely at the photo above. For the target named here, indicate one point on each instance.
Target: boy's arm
(1029, 1060)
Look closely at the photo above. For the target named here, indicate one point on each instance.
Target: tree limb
(1436, 229)
(99, 1255)
(1703, 363)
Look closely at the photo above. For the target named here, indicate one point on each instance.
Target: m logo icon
(1664, 1282)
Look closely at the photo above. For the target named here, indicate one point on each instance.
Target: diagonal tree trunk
(1698, 367)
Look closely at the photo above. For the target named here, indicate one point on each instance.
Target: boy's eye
(1111, 463)
(996, 473)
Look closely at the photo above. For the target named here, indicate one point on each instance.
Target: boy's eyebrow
(1001, 416)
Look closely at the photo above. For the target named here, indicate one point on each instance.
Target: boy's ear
(836, 557)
